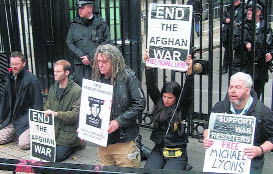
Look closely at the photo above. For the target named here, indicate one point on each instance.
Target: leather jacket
(128, 105)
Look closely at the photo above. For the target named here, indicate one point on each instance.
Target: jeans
(63, 152)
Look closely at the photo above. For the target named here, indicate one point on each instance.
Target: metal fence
(39, 29)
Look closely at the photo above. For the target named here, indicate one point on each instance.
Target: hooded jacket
(20, 95)
(67, 108)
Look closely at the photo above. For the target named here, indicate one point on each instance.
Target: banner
(231, 135)
(95, 110)
(42, 136)
(169, 34)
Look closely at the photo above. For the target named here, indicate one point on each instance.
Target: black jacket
(237, 17)
(242, 56)
(128, 105)
(264, 127)
(14, 108)
(158, 134)
(85, 35)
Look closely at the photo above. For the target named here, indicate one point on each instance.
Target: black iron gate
(39, 29)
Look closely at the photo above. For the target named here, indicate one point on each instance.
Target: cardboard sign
(42, 136)
(95, 110)
(169, 34)
(231, 135)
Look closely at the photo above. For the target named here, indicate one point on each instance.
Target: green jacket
(67, 108)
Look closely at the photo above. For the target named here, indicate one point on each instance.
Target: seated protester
(22, 91)
(242, 100)
(169, 115)
(64, 104)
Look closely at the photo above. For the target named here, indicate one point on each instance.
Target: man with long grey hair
(127, 105)
(241, 100)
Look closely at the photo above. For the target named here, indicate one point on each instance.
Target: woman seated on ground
(169, 115)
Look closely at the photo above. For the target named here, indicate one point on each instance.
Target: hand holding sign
(114, 125)
(253, 151)
(188, 61)
(50, 112)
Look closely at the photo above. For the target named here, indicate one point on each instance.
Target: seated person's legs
(24, 140)
(120, 154)
(179, 163)
(130, 156)
(63, 152)
(155, 159)
(105, 158)
(7, 134)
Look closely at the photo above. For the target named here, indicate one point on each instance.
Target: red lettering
(230, 145)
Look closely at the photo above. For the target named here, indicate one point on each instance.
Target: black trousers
(157, 161)
(82, 71)
(63, 152)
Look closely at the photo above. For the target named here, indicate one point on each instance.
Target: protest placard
(42, 136)
(231, 135)
(169, 34)
(95, 110)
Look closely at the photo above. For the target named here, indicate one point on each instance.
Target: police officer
(85, 33)
(226, 31)
(244, 49)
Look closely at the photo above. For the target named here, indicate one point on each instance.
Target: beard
(239, 101)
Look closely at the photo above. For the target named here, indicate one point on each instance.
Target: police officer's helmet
(82, 3)
(258, 5)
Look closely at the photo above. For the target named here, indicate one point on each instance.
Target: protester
(127, 105)
(169, 120)
(22, 92)
(241, 100)
(85, 33)
(64, 104)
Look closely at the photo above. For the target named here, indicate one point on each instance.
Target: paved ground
(88, 155)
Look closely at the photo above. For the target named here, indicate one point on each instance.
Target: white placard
(95, 110)
(169, 35)
(231, 135)
(42, 136)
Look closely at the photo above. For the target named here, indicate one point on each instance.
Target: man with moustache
(85, 33)
(241, 100)
(64, 104)
(22, 92)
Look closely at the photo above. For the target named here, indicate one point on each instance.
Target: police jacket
(243, 56)
(127, 106)
(237, 17)
(85, 35)
(175, 136)
(20, 95)
(264, 124)
(67, 107)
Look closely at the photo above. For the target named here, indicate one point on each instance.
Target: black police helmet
(82, 3)
(259, 4)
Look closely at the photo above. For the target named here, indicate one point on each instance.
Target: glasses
(14, 64)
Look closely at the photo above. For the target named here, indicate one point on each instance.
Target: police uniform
(242, 57)
(83, 37)
(226, 33)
